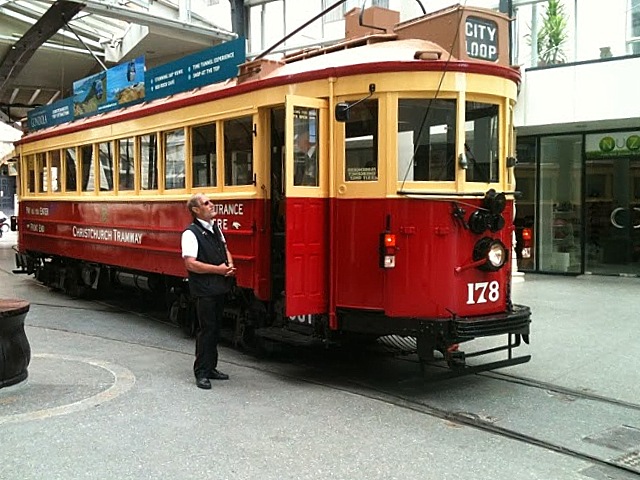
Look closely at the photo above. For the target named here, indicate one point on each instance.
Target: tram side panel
(358, 276)
(136, 235)
(431, 277)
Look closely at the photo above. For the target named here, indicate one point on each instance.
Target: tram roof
(374, 54)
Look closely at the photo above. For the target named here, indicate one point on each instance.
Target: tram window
(105, 155)
(41, 167)
(55, 171)
(426, 140)
(238, 151)
(481, 142)
(71, 170)
(361, 142)
(174, 159)
(31, 174)
(149, 162)
(203, 152)
(87, 168)
(305, 155)
(126, 165)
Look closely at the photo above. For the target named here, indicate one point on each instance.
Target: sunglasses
(205, 204)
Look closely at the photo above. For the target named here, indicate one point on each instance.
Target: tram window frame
(174, 167)
(482, 162)
(106, 181)
(357, 167)
(149, 165)
(41, 173)
(30, 180)
(127, 182)
(204, 155)
(87, 175)
(430, 154)
(306, 164)
(71, 174)
(238, 152)
(55, 163)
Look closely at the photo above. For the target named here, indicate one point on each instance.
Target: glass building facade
(579, 205)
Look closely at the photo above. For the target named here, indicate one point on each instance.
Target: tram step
(279, 334)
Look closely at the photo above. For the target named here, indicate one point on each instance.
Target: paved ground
(110, 395)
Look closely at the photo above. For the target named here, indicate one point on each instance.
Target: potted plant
(552, 35)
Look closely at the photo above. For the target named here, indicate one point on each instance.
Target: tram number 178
(482, 292)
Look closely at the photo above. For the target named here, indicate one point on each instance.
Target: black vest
(211, 249)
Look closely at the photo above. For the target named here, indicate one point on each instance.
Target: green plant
(553, 34)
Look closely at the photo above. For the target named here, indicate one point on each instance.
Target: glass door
(613, 215)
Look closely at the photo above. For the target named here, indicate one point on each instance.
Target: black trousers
(209, 311)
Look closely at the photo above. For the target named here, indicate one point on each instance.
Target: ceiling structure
(45, 46)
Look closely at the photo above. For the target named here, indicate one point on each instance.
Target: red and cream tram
(365, 189)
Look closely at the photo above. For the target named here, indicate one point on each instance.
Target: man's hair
(194, 201)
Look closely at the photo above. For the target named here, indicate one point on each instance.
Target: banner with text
(203, 68)
(50, 115)
(615, 144)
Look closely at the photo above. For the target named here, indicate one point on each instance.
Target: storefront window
(612, 203)
(559, 224)
(526, 203)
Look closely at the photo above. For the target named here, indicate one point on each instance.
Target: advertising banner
(117, 87)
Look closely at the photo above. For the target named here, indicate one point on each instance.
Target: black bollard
(15, 352)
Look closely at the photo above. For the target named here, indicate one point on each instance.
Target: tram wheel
(182, 312)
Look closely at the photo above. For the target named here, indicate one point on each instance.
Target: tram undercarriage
(250, 323)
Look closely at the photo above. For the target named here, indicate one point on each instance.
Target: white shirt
(190, 242)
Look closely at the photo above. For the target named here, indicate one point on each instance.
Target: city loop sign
(482, 38)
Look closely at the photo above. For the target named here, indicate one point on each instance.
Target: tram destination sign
(481, 38)
(203, 68)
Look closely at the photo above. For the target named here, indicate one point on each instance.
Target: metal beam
(22, 51)
(145, 18)
(32, 17)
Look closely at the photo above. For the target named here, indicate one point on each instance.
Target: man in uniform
(210, 267)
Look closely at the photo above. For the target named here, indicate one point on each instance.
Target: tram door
(613, 215)
(306, 206)
(278, 192)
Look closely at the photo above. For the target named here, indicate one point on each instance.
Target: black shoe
(203, 383)
(216, 375)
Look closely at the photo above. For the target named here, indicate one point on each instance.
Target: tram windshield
(426, 140)
(481, 142)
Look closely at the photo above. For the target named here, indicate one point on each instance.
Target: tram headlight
(494, 202)
(492, 251)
